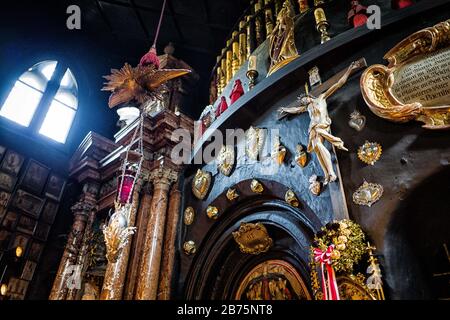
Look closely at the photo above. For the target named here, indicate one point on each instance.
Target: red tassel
(150, 58)
(237, 91)
(359, 20)
(221, 107)
(401, 4)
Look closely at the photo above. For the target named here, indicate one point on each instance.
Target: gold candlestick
(250, 36)
(278, 6)
(219, 80)
(318, 3)
(229, 58)
(303, 5)
(252, 73)
(322, 25)
(258, 24)
(235, 53)
(223, 67)
(242, 43)
(269, 17)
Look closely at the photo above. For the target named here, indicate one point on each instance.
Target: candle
(252, 62)
(319, 14)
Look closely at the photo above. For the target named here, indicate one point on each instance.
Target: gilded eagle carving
(140, 83)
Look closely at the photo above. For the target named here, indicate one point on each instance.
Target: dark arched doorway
(219, 267)
(417, 260)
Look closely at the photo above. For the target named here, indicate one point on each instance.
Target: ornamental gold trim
(201, 184)
(418, 96)
(367, 194)
(370, 152)
(189, 216)
(253, 238)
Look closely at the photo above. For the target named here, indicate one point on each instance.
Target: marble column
(69, 258)
(138, 244)
(168, 259)
(73, 294)
(114, 280)
(148, 280)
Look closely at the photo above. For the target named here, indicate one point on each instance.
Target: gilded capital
(83, 207)
(163, 177)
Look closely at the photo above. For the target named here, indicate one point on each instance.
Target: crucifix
(319, 127)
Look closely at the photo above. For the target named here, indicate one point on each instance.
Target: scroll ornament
(337, 249)
(414, 85)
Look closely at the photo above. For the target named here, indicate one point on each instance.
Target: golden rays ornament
(212, 212)
(201, 184)
(139, 84)
(232, 194)
(189, 247)
(225, 160)
(369, 152)
(189, 216)
(291, 198)
(253, 238)
(256, 186)
(367, 194)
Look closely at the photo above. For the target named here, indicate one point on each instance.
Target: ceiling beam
(141, 21)
(175, 21)
(105, 18)
(170, 13)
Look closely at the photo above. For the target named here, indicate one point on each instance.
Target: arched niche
(219, 267)
(415, 260)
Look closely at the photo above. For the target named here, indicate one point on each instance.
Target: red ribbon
(329, 285)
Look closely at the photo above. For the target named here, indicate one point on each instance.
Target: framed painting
(42, 231)
(49, 212)
(35, 177)
(55, 187)
(4, 198)
(20, 240)
(10, 220)
(28, 203)
(26, 225)
(28, 270)
(35, 251)
(12, 162)
(5, 236)
(7, 181)
(17, 288)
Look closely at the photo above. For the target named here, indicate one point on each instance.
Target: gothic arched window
(45, 98)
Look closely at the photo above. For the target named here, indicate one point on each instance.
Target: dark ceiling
(125, 30)
(197, 28)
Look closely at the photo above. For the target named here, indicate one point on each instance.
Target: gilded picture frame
(416, 83)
